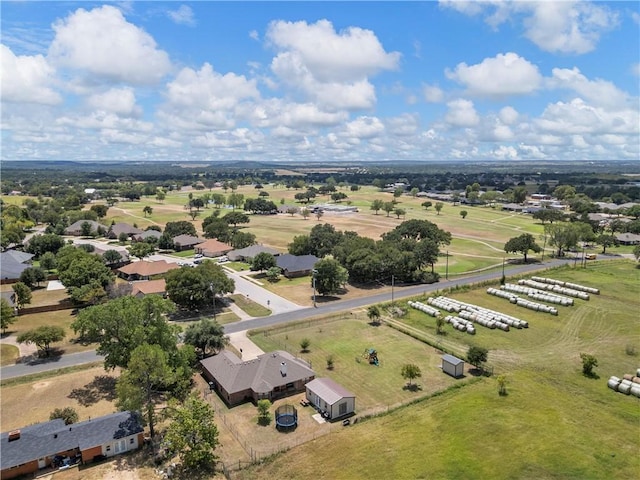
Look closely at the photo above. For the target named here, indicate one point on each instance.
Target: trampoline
(286, 417)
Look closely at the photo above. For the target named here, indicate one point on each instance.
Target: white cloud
(328, 66)
(182, 16)
(121, 101)
(432, 94)
(567, 26)
(503, 75)
(254, 35)
(598, 92)
(363, 127)
(405, 125)
(462, 113)
(26, 79)
(635, 69)
(508, 115)
(504, 152)
(103, 44)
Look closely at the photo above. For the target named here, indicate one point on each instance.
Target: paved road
(293, 315)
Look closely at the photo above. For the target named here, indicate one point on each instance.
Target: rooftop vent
(283, 369)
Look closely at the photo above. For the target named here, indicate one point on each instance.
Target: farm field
(553, 423)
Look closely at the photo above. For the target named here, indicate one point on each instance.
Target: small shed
(330, 397)
(452, 365)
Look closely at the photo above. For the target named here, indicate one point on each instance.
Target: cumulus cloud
(432, 93)
(503, 75)
(121, 101)
(103, 44)
(598, 92)
(508, 115)
(567, 26)
(26, 79)
(182, 16)
(331, 67)
(363, 127)
(462, 113)
(404, 125)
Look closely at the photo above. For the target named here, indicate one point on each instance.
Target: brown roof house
(144, 270)
(271, 376)
(54, 444)
(149, 287)
(185, 242)
(212, 248)
(118, 228)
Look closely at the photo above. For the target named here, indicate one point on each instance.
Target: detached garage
(453, 366)
(330, 397)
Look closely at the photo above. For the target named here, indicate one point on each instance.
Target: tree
(477, 356)
(319, 213)
(264, 415)
(234, 218)
(426, 204)
(160, 196)
(292, 211)
(636, 252)
(48, 261)
(410, 372)
(42, 337)
(373, 312)
(101, 210)
(235, 200)
(548, 215)
(123, 324)
(68, 414)
(502, 385)
(85, 229)
(123, 237)
(606, 241)
(32, 276)
(330, 362)
(141, 249)
(263, 261)
(7, 315)
(85, 275)
(519, 194)
(564, 192)
(305, 212)
(216, 228)
(562, 235)
(377, 205)
(388, 207)
(304, 345)
(242, 240)
(23, 294)
(193, 434)
(145, 378)
(397, 193)
(111, 256)
(41, 244)
(438, 206)
(439, 325)
(194, 288)
(589, 362)
(399, 212)
(522, 244)
(330, 276)
(301, 245)
(181, 227)
(147, 210)
(273, 274)
(206, 336)
(463, 214)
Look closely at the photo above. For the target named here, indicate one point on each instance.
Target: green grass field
(554, 423)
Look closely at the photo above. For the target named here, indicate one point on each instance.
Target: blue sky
(320, 81)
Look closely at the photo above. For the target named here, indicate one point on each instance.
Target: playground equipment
(286, 417)
(371, 355)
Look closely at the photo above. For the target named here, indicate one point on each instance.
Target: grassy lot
(554, 422)
(8, 354)
(249, 306)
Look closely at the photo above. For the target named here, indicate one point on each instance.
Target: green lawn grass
(553, 423)
(249, 306)
(8, 354)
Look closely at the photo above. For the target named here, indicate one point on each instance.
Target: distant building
(212, 248)
(144, 270)
(296, 265)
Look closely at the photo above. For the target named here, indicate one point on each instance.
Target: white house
(328, 396)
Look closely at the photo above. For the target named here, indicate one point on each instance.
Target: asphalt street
(289, 312)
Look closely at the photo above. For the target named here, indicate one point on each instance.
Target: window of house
(108, 448)
(132, 440)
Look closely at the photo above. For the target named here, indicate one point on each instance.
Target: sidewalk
(248, 350)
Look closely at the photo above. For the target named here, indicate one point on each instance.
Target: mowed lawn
(554, 423)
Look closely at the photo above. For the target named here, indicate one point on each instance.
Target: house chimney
(14, 435)
(283, 369)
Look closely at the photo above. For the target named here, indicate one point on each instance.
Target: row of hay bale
(461, 324)
(537, 294)
(522, 302)
(628, 384)
(555, 288)
(480, 315)
(434, 312)
(574, 286)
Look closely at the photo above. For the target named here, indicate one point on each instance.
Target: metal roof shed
(452, 365)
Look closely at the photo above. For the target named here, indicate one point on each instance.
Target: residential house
(296, 265)
(118, 229)
(144, 270)
(76, 228)
(149, 287)
(42, 445)
(10, 298)
(185, 242)
(627, 238)
(330, 397)
(246, 254)
(13, 263)
(212, 248)
(271, 375)
(144, 236)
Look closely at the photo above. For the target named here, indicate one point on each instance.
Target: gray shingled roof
(451, 359)
(261, 374)
(50, 438)
(328, 390)
(251, 252)
(296, 263)
(10, 265)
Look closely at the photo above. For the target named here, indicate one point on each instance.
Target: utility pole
(446, 275)
(313, 281)
(213, 296)
(393, 281)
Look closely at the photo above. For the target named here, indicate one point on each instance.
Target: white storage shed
(452, 365)
(328, 396)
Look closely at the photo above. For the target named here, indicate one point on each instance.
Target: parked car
(223, 259)
(198, 255)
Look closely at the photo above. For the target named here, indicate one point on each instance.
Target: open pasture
(553, 423)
